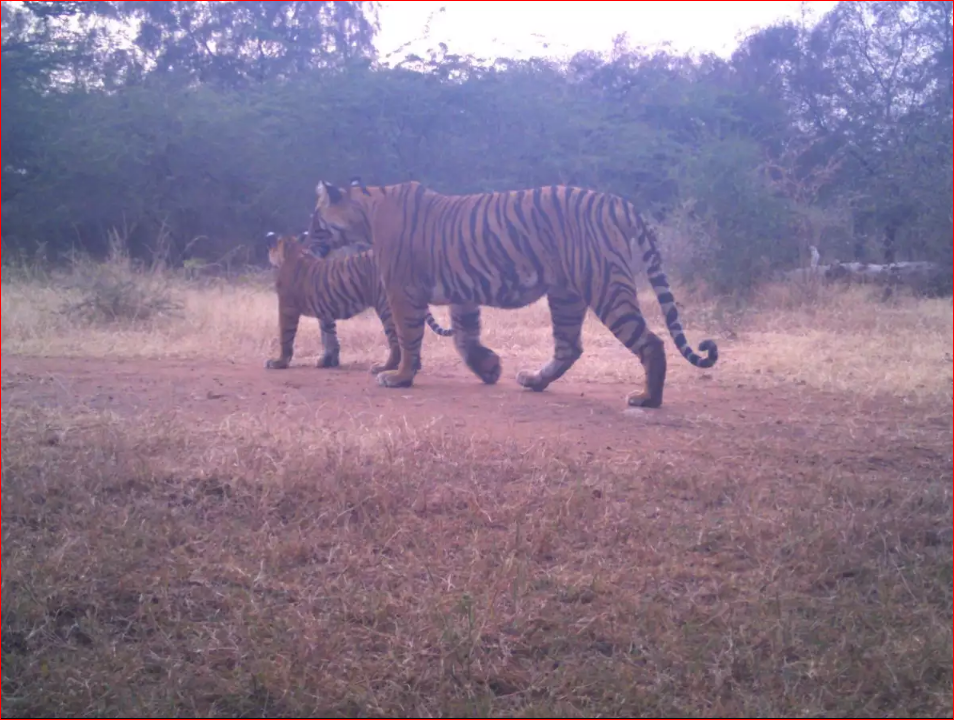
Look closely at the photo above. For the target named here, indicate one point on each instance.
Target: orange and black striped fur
(508, 249)
(329, 290)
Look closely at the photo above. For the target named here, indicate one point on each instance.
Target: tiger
(329, 290)
(507, 250)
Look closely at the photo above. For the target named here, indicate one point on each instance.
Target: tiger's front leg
(330, 347)
(394, 349)
(383, 309)
(288, 318)
(408, 316)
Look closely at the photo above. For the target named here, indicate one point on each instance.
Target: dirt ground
(475, 551)
(703, 418)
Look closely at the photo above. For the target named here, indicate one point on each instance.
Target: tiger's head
(341, 216)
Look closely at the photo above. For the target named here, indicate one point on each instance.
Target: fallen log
(920, 276)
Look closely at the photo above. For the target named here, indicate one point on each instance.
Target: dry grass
(258, 569)
(834, 340)
(262, 567)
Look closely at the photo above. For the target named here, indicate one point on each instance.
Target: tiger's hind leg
(618, 309)
(330, 347)
(465, 323)
(567, 312)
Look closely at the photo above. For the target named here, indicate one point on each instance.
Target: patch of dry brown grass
(258, 568)
(848, 340)
(829, 339)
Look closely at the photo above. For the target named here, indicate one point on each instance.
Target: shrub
(119, 291)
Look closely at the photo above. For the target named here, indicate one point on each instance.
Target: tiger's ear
(271, 240)
(327, 194)
(356, 184)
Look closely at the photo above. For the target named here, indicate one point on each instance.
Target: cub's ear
(327, 194)
(271, 240)
(356, 182)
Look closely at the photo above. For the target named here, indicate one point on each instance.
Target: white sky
(527, 29)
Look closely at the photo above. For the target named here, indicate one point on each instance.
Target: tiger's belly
(515, 291)
(517, 297)
(335, 308)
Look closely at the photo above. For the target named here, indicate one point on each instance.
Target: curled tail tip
(712, 353)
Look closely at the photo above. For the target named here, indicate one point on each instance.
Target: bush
(744, 223)
(118, 291)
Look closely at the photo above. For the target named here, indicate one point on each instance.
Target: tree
(237, 43)
(209, 123)
(872, 80)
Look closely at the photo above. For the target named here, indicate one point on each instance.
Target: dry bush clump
(115, 293)
(118, 290)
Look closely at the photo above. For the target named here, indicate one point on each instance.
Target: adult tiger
(329, 290)
(507, 250)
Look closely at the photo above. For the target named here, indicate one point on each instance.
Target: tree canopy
(209, 123)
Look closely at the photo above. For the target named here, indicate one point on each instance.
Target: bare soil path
(703, 418)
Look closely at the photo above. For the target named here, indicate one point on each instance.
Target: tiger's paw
(643, 399)
(328, 360)
(393, 379)
(485, 364)
(379, 368)
(531, 380)
(279, 364)
(392, 363)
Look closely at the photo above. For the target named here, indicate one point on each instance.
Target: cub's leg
(484, 362)
(331, 349)
(288, 317)
(567, 312)
(408, 315)
(618, 309)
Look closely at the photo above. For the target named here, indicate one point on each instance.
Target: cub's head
(340, 217)
(284, 248)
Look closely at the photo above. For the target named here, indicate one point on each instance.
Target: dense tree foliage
(203, 124)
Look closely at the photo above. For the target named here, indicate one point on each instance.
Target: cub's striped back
(329, 290)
